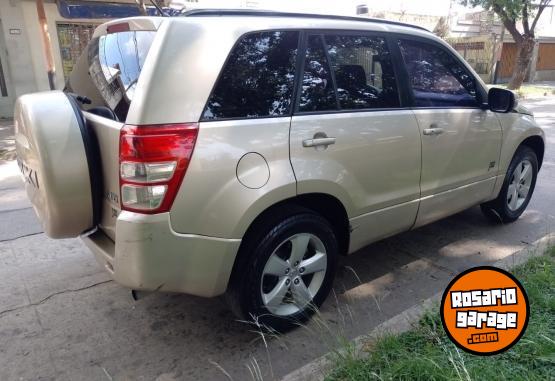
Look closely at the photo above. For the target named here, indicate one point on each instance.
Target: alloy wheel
(520, 184)
(293, 274)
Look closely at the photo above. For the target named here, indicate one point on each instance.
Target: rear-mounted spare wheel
(58, 156)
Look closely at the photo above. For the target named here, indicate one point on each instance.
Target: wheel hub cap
(519, 187)
(293, 274)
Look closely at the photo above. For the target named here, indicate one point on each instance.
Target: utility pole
(47, 45)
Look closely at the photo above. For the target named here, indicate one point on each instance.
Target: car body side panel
(373, 168)
(212, 201)
(383, 223)
(466, 152)
(375, 159)
(516, 128)
(444, 204)
(107, 134)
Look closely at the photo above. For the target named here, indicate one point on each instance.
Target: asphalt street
(61, 318)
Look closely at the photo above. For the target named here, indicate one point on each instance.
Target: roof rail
(265, 13)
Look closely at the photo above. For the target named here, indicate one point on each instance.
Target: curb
(316, 370)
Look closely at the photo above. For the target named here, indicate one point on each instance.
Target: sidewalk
(17, 217)
(316, 370)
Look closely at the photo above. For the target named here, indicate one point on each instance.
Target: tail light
(153, 161)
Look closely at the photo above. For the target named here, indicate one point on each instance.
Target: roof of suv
(265, 13)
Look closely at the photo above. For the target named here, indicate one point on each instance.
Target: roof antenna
(159, 8)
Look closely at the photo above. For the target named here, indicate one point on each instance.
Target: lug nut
(287, 282)
(287, 271)
(301, 270)
(297, 281)
(297, 263)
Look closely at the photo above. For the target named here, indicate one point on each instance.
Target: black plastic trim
(92, 153)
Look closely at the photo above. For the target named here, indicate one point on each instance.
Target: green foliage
(425, 352)
(513, 8)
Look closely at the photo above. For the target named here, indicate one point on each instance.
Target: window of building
(436, 77)
(257, 80)
(73, 39)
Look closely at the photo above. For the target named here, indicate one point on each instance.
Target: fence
(478, 52)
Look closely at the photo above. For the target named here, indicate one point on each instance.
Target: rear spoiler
(130, 23)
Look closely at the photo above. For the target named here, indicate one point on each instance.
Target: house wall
(38, 58)
(25, 66)
(17, 67)
(545, 67)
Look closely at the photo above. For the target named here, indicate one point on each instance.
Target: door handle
(318, 142)
(433, 131)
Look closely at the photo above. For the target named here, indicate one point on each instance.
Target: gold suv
(242, 152)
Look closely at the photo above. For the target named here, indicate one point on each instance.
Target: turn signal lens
(153, 161)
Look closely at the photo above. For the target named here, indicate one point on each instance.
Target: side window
(363, 72)
(437, 78)
(258, 78)
(318, 93)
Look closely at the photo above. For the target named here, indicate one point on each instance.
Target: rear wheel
(517, 189)
(288, 273)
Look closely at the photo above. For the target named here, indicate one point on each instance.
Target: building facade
(480, 37)
(24, 63)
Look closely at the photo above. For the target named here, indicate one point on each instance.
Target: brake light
(153, 161)
(118, 28)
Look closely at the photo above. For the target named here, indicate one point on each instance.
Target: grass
(532, 91)
(425, 352)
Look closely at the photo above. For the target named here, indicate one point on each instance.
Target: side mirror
(501, 100)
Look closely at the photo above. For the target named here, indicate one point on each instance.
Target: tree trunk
(142, 7)
(525, 49)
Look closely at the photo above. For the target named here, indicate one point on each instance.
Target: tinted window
(437, 78)
(258, 78)
(363, 72)
(318, 93)
(108, 71)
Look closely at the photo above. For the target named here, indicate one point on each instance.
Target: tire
(506, 208)
(268, 251)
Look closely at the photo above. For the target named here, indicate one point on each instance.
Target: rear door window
(318, 92)
(363, 72)
(258, 78)
(109, 72)
(437, 78)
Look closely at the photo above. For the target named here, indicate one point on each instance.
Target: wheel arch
(537, 144)
(325, 205)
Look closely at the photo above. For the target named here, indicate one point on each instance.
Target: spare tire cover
(51, 153)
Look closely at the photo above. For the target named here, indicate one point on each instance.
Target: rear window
(108, 71)
(258, 77)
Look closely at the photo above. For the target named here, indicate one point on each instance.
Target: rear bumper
(148, 255)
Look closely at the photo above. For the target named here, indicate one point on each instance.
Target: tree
(142, 7)
(511, 12)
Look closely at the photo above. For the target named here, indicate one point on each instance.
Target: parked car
(242, 152)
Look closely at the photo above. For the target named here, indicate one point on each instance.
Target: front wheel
(517, 189)
(289, 271)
